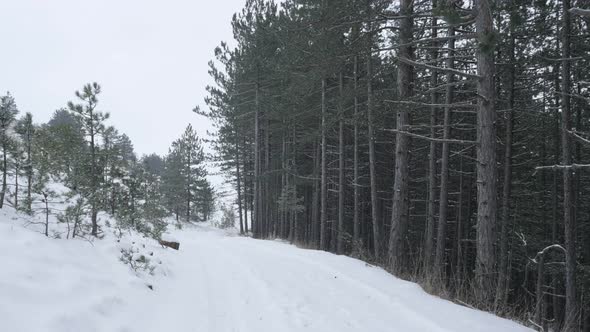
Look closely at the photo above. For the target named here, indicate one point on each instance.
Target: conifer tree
(93, 124)
(8, 112)
(183, 175)
(26, 131)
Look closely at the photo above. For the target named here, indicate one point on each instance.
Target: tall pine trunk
(571, 308)
(246, 186)
(460, 222)
(443, 201)
(4, 171)
(257, 209)
(355, 218)
(324, 179)
(399, 209)
(507, 185)
(432, 169)
(371, 136)
(188, 188)
(340, 235)
(315, 207)
(29, 170)
(486, 156)
(293, 227)
(16, 172)
(239, 188)
(267, 177)
(94, 177)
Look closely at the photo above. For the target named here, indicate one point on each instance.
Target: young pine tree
(93, 124)
(8, 112)
(26, 131)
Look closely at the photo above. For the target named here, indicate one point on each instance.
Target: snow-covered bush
(137, 262)
(73, 216)
(228, 217)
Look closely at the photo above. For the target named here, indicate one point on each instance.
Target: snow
(216, 282)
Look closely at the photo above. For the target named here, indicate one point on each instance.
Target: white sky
(149, 56)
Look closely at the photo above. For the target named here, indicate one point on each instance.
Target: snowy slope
(217, 282)
(49, 284)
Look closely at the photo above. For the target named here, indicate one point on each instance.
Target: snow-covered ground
(216, 282)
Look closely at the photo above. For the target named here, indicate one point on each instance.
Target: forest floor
(216, 282)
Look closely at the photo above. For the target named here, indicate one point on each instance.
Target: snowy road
(220, 283)
(225, 283)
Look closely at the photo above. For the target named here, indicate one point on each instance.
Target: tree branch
(445, 70)
(580, 12)
(440, 140)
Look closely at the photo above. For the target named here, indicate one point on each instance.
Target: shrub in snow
(141, 209)
(136, 261)
(228, 217)
(178, 225)
(73, 217)
(26, 206)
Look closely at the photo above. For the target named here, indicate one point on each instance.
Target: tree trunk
(239, 184)
(399, 209)
(246, 200)
(46, 214)
(29, 171)
(372, 158)
(431, 210)
(459, 226)
(539, 307)
(315, 209)
(188, 188)
(324, 183)
(284, 231)
(443, 201)
(503, 274)
(293, 222)
(340, 235)
(571, 307)
(486, 156)
(257, 209)
(555, 237)
(4, 170)
(267, 202)
(94, 182)
(16, 171)
(355, 218)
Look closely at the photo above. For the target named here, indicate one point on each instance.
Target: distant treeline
(76, 147)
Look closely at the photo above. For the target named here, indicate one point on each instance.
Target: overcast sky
(149, 56)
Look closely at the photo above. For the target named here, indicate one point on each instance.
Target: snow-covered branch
(572, 166)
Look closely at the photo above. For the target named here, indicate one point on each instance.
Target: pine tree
(183, 175)
(26, 130)
(93, 124)
(8, 112)
(172, 187)
(61, 144)
(205, 200)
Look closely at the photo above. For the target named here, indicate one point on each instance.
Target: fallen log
(169, 244)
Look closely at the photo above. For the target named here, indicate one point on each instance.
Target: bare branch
(578, 137)
(407, 133)
(446, 70)
(580, 11)
(416, 103)
(572, 166)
